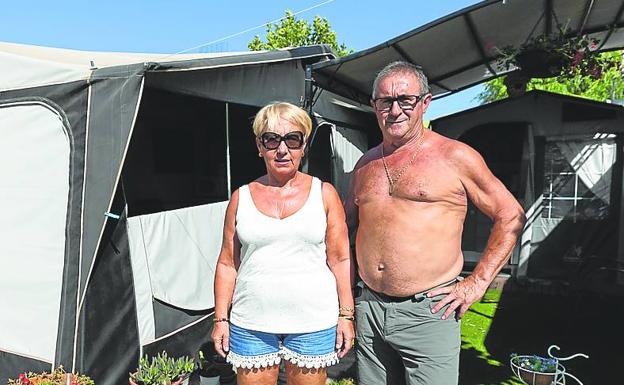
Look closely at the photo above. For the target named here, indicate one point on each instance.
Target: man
(407, 207)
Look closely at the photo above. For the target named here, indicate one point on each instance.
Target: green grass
(475, 327)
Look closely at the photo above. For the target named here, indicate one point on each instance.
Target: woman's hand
(345, 336)
(221, 338)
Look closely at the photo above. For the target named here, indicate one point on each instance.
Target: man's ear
(425, 102)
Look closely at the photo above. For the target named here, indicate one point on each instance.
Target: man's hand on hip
(459, 297)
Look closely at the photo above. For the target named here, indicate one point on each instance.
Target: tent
(116, 172)
(558, 155)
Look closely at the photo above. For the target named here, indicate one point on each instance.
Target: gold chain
(399, 174)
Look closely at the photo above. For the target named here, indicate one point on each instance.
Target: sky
(160, 26)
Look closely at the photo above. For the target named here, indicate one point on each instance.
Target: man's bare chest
(421, 182)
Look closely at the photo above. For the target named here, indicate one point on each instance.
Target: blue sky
(161, 26)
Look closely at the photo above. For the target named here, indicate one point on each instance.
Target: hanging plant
(558, 54)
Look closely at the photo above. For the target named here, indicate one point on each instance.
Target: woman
(284, 274)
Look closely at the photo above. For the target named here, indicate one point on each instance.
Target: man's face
(396, 123)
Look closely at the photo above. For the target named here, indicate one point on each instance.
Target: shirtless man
(407, 207)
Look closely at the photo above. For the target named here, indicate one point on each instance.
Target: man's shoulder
(369, 156)
(452, 149)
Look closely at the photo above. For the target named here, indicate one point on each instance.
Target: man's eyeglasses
(271, 140)
(406, 102)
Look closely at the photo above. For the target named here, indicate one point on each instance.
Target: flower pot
(535, 378)
(538, 63)
(516, 83)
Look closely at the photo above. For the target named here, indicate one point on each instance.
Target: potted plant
(58, 376)
(163, 370)
(535, 370)
(560, 54)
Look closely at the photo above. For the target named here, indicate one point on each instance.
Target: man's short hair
(405, 68)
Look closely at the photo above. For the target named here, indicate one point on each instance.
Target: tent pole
(620, 181)
(227, 150)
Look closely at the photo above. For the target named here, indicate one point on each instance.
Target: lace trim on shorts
(315, 362)
(250, 362)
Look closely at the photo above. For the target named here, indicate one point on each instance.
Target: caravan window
(577, 177)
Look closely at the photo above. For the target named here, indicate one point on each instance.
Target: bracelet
(347, 317)
(220, 320)
(345, 309)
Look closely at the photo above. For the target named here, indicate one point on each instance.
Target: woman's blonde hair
(269, 116)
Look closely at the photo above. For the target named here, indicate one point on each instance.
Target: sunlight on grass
(476, 326)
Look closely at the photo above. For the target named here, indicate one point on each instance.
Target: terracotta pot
(535, 378)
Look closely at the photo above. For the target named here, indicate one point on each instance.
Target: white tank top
(284, 284)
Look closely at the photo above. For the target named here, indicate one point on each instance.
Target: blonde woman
(284, 275)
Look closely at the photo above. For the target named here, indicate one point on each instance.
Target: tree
(610, 85)
(291, 32)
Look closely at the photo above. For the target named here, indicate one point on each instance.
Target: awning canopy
(461, 50)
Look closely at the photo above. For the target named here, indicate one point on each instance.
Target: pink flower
(578, 56)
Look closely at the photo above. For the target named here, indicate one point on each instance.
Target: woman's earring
(259, 155)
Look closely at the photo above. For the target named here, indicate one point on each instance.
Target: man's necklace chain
(392, 180)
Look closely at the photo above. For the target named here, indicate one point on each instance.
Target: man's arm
(493, 199)
(350, 206)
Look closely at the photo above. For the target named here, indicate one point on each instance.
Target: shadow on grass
(529, 319)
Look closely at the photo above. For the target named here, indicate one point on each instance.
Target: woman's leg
(305, 376)
(261, 376)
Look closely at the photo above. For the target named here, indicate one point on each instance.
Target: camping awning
(461, 50)
(24, 66)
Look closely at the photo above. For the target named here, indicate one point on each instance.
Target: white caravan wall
(34, 189)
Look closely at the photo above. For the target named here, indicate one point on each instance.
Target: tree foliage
(610, 85)
(293, 32)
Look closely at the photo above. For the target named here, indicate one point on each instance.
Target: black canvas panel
(115, 94)
(11, 365)
(108, 332)
(168, 318)
(184, 342)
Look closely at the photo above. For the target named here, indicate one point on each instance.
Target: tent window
(577, 177)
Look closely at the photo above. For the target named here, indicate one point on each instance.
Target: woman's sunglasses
(271, 140)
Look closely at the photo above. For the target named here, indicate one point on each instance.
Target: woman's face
(284, 159)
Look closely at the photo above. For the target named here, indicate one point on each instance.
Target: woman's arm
(340, 263)
(225, 278)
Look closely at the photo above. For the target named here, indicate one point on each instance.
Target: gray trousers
(402, 342)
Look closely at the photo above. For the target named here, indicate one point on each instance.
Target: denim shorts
(254, 349)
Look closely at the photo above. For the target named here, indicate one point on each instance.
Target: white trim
(110, 203)
(182, 328)
(82, 206)
(228, 167)
(27, 356)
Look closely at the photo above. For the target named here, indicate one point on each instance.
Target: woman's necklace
(392, 180)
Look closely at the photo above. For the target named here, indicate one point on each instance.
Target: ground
(527, 317)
